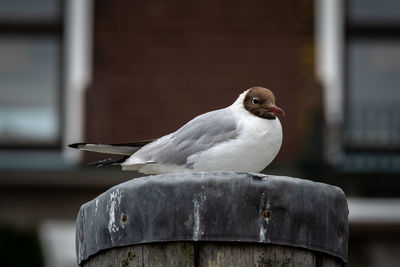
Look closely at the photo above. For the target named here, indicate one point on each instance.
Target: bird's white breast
(257, 144)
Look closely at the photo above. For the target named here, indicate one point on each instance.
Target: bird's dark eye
(255, 100)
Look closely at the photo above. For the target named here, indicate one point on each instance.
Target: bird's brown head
(260, 101)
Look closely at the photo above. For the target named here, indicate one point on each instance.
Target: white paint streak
(97, 204)
(263, 230)
(196, 215)
(198, 205)
(113, 203)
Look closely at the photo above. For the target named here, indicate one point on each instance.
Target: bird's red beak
(277, 110)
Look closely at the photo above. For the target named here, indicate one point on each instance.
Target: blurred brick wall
(157, 64)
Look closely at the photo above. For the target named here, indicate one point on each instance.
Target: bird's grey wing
(197, 135)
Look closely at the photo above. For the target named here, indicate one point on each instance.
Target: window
(372, 92)
(30, 73)
(45, 67)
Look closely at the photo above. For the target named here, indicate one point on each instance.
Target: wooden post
(214, 219)
(210, 255)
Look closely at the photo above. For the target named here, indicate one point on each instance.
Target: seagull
(243, 137)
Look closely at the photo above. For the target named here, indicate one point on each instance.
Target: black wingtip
(76, 145)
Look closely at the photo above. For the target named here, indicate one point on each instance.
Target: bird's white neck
(238, 105)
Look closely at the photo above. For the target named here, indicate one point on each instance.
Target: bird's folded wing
(200, 134)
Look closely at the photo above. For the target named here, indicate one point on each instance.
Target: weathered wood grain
(208, 254)
(326, 261)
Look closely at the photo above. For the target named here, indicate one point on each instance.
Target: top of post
(216, 206)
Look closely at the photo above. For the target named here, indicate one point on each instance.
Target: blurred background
(121, 71)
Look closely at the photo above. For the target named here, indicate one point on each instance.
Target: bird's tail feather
(126, 149)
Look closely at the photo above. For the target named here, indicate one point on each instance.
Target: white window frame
(329, 39)
(78, 72)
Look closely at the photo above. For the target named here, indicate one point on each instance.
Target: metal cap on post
(216, 208)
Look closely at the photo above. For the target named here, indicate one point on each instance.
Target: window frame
(366, 31)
